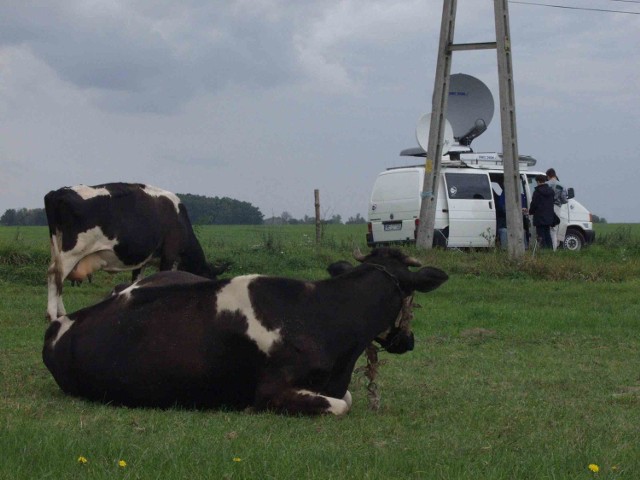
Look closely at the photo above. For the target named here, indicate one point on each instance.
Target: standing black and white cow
(251, 341)
(117, 227)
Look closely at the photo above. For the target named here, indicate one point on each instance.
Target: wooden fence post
(316, 194)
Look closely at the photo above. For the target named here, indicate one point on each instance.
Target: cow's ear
(338, 268)
(427, 279)
(220, 268)
(412, 262)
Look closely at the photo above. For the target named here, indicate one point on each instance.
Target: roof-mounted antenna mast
(507, 118)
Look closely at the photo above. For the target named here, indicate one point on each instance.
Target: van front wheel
(573, 240)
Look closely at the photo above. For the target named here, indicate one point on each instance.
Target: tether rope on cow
(403, 322)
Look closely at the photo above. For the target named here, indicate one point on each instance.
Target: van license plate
(392, 227)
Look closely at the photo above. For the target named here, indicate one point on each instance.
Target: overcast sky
(266, 100)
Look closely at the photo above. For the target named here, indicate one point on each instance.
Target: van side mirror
(570, 193)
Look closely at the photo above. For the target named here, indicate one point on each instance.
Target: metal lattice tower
(507, 119)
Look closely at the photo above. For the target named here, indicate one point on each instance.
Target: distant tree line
(286, 218)
(202, 211)
(220, 211)
(24, 216)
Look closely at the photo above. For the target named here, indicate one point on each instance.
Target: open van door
(471, 209)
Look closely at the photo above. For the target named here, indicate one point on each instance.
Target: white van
(466, 203)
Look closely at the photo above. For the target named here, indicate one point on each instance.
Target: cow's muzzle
(397, 341)
(399, 338)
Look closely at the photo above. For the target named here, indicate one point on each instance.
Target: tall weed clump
(621, 237)
(591, 264)
(23, 263)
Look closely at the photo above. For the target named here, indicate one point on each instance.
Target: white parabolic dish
(470, 100)
(422, 133)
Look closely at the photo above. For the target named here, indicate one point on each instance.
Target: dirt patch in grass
(476, 333)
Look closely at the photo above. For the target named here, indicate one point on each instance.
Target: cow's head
(395, 264)
(338, 268)
(212, 271)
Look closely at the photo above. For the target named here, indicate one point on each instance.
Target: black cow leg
(136, 275)
(276, 395)
(299, 401)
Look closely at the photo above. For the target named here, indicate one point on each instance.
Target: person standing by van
(559, 199)
(501, 217)
(542, 210)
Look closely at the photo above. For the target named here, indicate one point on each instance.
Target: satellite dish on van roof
(422, 133)
(470, 107)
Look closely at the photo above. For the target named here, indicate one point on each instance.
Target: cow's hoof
(347, 398)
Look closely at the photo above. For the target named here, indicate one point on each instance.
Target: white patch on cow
(94, 251)
(158, 192)
(336, 405)
(93, 240)
(87, 192)
(93, 243)
(126, 293)
(234, 297)
(65, 325)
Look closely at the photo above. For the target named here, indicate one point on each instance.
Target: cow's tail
(192, 259)
(50, 201)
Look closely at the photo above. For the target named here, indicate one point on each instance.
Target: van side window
(463, 186)
(532, 183)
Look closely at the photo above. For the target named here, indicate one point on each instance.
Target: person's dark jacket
(542, 205)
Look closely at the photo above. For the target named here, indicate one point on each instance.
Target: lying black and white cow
(251, 341)
(117, 227)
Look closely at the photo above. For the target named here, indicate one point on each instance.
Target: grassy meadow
(522, 370)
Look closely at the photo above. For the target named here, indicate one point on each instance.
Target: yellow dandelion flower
(122, 463)
(82, 460)
(237, 459)
(594, 468)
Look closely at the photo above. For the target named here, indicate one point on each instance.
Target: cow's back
(121, 211)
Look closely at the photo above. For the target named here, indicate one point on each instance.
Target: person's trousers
(543, 232)
(554, 230)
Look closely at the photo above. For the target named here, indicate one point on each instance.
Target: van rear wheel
(573, 240)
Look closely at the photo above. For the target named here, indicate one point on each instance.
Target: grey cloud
(195, 161)
(13, 168)
(266, 100)
(136, 63)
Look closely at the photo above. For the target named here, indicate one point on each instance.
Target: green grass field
(522, 370)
